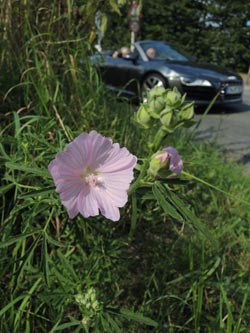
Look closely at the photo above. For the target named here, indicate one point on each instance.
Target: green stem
(160, 135)
(139, 179)
(133, 218)
(213, 187)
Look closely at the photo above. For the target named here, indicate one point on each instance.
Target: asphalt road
(230, 128)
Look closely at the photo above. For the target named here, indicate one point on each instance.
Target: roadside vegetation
(179, 267)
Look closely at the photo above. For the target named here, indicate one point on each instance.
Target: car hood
(203, 71)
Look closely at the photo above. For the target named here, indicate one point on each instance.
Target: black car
(156, 63)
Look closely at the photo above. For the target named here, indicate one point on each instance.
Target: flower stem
(139, 179)
(133, 218)
(160, 135)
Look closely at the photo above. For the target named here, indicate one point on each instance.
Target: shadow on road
(221, 109)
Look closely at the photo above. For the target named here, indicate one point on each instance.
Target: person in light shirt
(150, 53)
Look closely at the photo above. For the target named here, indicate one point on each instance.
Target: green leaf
(31, 170)
(41, 192)
(25, 301)
(66, 264)
(55, 242)
(112, 323)
(9, 305)
(61, 327)
(27, 258)
(18, 238)
(6, 188)
(187, 214)
(114, 6)
(139, 317)
(133, 217)
(160, 194)
(45, 261)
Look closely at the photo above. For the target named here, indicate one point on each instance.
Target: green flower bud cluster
(88, 303)
(167, 107)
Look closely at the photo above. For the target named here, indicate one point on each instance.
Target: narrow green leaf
(187, 214)
(55, 242)
(139, 317)
(16, 123)
(160, 194)
(41, 192)
(113, 324)
(6, 188)
(134, 217)
(26, 258)
(9, 305)
(18, 238)
(61, 327)
(66, 264)
(22, 306)
(213, 269)
(33, 170)
(45, 261)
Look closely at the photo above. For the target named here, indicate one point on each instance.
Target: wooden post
(134, 24)
(132, 47)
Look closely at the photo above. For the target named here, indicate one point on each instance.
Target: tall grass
(88, 275)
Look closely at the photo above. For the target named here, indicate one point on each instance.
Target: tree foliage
(213, 30)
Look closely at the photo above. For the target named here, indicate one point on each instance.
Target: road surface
(230, 128)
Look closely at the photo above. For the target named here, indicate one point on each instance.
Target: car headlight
(193, 82)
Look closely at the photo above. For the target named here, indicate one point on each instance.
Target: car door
(111, 70)
(130, 73)
(122, 73)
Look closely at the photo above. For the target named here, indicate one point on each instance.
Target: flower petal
(93, 156)
(176, 163)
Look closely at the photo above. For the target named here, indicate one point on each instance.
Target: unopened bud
(143, 116)
(165, 162)
(166, 116)
(174, 97)
(187, 111)
(156, 101)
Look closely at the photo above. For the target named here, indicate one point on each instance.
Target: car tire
(151, 81)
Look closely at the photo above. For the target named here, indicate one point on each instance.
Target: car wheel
(151, 81)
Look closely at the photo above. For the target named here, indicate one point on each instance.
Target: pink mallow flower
(92, 174)
(170, 154)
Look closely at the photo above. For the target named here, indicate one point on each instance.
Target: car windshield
(162, 51)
